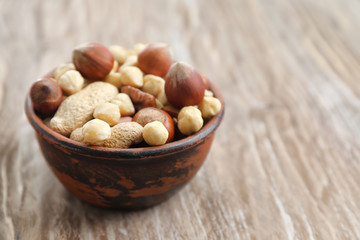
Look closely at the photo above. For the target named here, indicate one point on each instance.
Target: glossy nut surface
(94, 61)
(46, 96)
(184, 85)
(155, 59)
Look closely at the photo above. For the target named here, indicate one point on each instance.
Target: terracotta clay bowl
(132, 178)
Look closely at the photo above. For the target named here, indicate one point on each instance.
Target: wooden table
(285, 163)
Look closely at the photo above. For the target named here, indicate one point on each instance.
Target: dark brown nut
(139, 98)
(184, 85)
(150, 114)
(46, 96)
(172, 111)
(94, 61)
(155, 59)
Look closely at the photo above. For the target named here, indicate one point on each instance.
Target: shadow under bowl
(133, 178)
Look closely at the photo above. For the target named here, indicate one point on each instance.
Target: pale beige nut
(71, 82)
(132, 76)
(130, 61)
(162, 98)
(124, 135)
(108, 112)
(120, 53)
(114, 78)
(63, 68)
(125, 104)
(208, 93)
(190, 120)
(209, 107)
(96, 131)
(115, 66)
(77, 135)
(153, 84)
(78, 108)
(155, 133)
(139, 47)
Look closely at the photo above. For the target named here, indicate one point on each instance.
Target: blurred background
(285, 161)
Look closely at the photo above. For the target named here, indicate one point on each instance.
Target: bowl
(133, 178)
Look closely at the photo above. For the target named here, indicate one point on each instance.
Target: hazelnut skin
(206, 81)
(184, 86)
(150, 114)
(46, 96)
(94, 61)
(155, 59)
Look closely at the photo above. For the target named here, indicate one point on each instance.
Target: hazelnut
(162, 97)
(46, 96)
(150, 114)
(96, 131)
(107, 112)
(208, 93)
(130, 61)
(125, 104)
(131, 76)
(184, 85)
(139, 47)
(93, 60)
(209, 107)
(63, 68)
(155, 133)
(119, 53)
(153, 84)
(155, 59)
(71, 82)
(189, 120)
(114, 78)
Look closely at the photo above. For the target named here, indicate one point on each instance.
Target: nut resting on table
(121, 98)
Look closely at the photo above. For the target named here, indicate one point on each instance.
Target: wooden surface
(285, 163)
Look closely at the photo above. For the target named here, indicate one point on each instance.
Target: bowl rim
(128, 153)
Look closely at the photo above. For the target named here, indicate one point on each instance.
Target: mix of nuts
(159, 100)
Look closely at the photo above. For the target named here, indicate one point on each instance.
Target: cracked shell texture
(78, 108)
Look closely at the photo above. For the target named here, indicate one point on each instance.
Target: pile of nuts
(120, 98)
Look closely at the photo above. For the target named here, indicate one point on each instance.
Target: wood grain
(285, 163)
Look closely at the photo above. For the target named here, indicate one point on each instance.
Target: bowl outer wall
(125, 178)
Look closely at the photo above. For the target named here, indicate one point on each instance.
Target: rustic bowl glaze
(124, 178)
